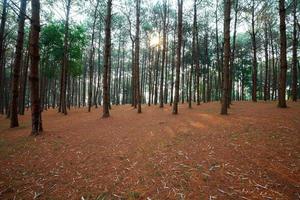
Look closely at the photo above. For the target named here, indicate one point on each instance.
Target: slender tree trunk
(183, 72)
(17, 67)
(137, 57)
(84, 82)
(133, 91)
(156, 69)
(166, 69)
(295, 58)
(161, 89)
(227, 9)
(178, 57)
(91, 61)
(232, 57)
(173, 65)
(34, 68)
(107, 51)
(195, 58)
(2, 52)
(23, 84)
(266, 91)
(283, 59)
(64, 75)
(254, 70)
(218, 53)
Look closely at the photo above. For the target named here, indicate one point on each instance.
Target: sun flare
(154, 40)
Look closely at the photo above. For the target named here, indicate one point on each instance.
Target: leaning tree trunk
(107, 50)
(17, 66)
(34, 68)
(283, 59)
(178, 59)
(227, 9)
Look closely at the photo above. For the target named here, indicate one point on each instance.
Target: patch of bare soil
(253, 153)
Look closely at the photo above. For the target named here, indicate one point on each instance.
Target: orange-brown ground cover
(254, 153)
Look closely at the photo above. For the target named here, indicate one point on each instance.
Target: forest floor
(253, 153)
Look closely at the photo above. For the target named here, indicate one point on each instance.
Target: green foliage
(52, 48)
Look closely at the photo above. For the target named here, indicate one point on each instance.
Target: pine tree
(17, 67)
(178, 57)
(34, 68)
(227, 9)
(283, 59)
(107, 54)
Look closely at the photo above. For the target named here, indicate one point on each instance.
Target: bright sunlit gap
(155, 40)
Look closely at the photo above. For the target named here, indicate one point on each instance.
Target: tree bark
(91, 63)
(161, 89)
(232, 57)
(178, 57)
(254, 69)
(34, 68)
(2, 52)
(227, 9)
(107, 51)
(283, 59)
(266, 91)
(295, 58)
(137, 57)
(63, 99)
(17, 67)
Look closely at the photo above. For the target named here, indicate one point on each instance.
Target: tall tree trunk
(274, 69)
(64, 73)
(232, 57)
(266, 91)
(178, 57)
(91, 61)
(161, 88)
(151, 61)
(2, 52)
(84, 82)
(166, 68)
(137, 57)
(219, 86)
(183, 72)
(195, 58)
(227, 9)
(254, 69)
(295, 58)
(34, 68)
(156, 69)
(133, 91)
(17, 67)
(283, 59)
(173, 64)
(23, 84)
(107, 51)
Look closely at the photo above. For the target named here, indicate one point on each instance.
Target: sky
(80, 15)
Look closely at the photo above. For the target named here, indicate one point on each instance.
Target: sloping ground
(254, 153)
